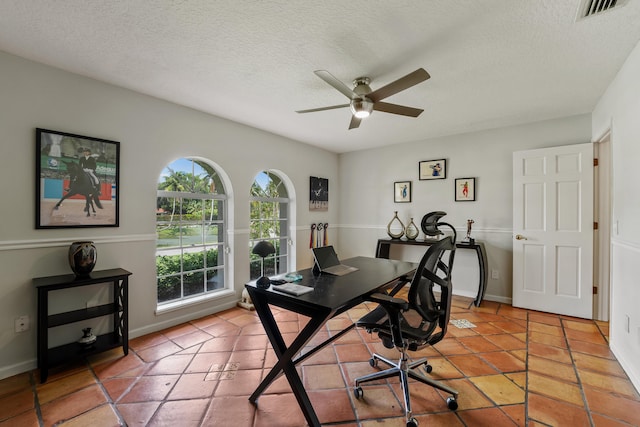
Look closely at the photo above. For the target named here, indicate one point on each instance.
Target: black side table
(119, 337)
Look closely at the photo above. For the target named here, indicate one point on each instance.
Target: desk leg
(484, 273)
(286, 354)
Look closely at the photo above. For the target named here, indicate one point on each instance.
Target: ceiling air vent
(594, 7)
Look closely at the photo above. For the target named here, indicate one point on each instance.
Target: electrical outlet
(495, 274)
(22, 324)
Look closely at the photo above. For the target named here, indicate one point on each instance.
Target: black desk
(382, 251)
(332, 295)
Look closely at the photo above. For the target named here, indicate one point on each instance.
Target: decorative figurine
(88, 339)
(468, 238)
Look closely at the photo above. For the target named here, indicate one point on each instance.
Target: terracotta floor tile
(443, 369)
(146, 341)
(504, 361)
(206, 321)
(507, 342)
(451, 346)
(556, 413)
(251, 342)
(151, 354)
(581, 326)
(178, 330)
(550, 352)
(546, 329)
(278, 410)
(332, 406)
(608, 383)
(26, 419)
(424, 398)
(151, 388)
(192, 386)
(500, 389)
(248, 359)
(243, 383)
(174, 364)
(202, 362)
(454, 331)
(519, 379)
(117, 386)
(352, 352)
(613, 406)
(472, 365)
(137, 414)
(104, 415)
(598, 364)
(318, 377)
(592, 337)
(191, 339)
(15, 384)
(514, 312)
(223, 329)
(355, 370)
(377, 401)
(66, 385)
(219, 344)
(603, 421)
(486, 417)
(510, 326)
(72, 405)
(516, 413)
(478, 344)
(447, 419)
(230, 411)
(470, 397)
(553, 369)
(546, 318)
(554, 388)
(599, 350)
(116, 367)
(183, 413)
(244, 320)
(552, 340)
(16, 403)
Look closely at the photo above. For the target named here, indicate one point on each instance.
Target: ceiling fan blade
(355, 122)
(312, 110)
(399, 85)
(397, 109)
(337, 84)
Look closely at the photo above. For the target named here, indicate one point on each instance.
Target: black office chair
(413, 324)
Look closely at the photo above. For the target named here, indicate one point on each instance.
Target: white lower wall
(617, 112)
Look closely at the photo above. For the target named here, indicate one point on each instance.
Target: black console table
(119, 337)
(384, 245)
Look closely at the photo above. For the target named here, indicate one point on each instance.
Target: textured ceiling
(493, 63)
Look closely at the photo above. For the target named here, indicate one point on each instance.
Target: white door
(553, 230)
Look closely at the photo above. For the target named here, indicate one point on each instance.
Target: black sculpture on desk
(430, 223)
(263, 249)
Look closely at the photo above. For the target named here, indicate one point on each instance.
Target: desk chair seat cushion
(413, 328)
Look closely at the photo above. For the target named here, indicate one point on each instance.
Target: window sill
(178, 305)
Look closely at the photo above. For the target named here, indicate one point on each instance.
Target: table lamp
(263, 249)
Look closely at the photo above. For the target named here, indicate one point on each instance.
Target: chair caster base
(452, 403)
(412, 422)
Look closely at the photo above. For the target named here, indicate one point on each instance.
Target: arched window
(190, 228)
(270, 216)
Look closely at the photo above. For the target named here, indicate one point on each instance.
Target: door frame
(603, 203)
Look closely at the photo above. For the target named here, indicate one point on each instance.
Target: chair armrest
(389, 302)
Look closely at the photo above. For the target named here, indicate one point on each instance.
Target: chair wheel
(358, 393)
(373, 362)
(412, 422)
(452, 403)
(428, 368)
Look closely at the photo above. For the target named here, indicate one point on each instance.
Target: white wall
(152, 133)
(619, 111)
(366, 196)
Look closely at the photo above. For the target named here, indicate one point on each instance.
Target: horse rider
(88, 164)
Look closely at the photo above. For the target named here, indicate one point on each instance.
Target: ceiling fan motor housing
(361, 107)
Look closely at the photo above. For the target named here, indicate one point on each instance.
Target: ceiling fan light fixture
(361, 108)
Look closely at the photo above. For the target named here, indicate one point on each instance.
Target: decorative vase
(88, 339)
(411, 230)
(82, 258)
(392, 225)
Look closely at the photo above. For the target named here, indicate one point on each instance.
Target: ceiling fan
(364, 100)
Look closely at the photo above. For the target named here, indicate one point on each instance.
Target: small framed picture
(432, 169)
(465, 189)
(402, 192)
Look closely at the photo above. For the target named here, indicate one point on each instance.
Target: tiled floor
(515, 367)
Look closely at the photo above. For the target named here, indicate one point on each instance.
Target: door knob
(520, 237)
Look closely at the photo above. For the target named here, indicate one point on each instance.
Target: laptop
(327, 261)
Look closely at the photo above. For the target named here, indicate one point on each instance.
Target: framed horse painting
(77, 180)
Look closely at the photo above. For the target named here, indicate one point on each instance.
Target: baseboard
(18, 368)
(471, 294)
(627, 366)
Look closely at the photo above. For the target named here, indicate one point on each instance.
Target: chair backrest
(434, 269)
